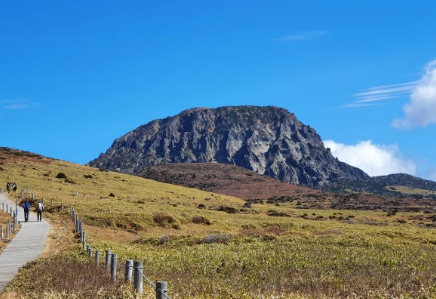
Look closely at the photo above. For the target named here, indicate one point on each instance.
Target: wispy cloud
(359, 105)
(420, 111)
(384, 92)
(303, 35)
(15, 104)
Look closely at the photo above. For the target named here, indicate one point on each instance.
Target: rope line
(150, 283)
(118, 266)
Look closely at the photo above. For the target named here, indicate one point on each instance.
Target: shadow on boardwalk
(27, 245)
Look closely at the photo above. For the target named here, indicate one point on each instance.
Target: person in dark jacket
(26, 208)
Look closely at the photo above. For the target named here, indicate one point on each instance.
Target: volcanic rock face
(268, 140)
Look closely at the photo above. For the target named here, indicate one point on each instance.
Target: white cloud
(372, 158)
(421, 109)
(303, 35)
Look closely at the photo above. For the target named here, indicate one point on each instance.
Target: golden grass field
(207, 245)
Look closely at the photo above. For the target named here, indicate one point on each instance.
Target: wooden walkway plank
(27, 245)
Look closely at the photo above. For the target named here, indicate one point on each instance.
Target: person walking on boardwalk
(39, 210)
(26, 208)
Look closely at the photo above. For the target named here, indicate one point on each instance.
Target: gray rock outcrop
(268, 140)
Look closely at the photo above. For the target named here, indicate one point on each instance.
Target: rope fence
(9, 228)
(132, 269)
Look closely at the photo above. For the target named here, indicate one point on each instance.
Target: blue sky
(76, 75)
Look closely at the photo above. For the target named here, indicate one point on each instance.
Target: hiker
(8, 187)
(26, 208)
(39, 210)
(14, 187)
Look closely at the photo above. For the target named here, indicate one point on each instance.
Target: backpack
(40, 207)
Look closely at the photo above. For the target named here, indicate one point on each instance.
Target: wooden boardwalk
(27, 245)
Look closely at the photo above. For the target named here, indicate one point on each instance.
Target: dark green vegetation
(399, 185)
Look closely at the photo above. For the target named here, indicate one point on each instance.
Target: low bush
(217, 238)
(165, 220)
(229, 210)
(61, 175)
(201, 220)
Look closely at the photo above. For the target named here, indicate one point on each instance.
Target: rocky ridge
(268, 140)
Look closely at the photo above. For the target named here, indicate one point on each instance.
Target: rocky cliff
(268, 140)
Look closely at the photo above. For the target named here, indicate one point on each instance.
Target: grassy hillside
(207, 245)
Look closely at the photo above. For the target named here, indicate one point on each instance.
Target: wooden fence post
(137, 276)
(161, 289)
(111, 262)
(16, 221)
(84, 239)
(80, 229)
(8, 230)
(108, 260)
(129, 270)
(97, 257)
(114, 267)
(76, 222)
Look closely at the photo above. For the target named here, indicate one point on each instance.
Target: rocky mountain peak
(268, 140)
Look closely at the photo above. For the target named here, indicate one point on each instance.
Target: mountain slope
(268, 140)
(224, 179)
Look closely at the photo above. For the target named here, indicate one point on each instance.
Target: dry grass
(60, 238)
(207, 246)
(408, 190)
(4, 218)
